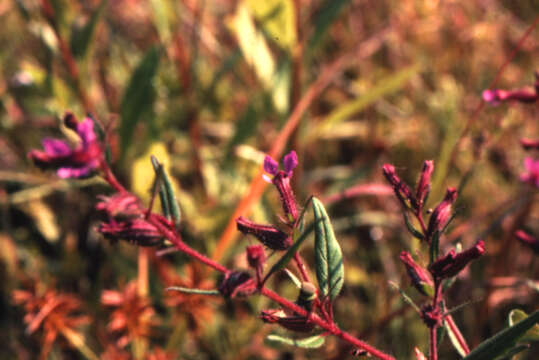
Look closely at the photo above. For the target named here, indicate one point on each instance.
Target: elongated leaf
(293, 277)
(517, 315)
(312, 342)
(82, 36)
(416, 233)
(158, 168)
(454, 341)
(169, 202)
(193, 291)
(138, 97)
(405, 296)
(504, 340)
(328, 254)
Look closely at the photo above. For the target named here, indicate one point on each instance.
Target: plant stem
(433, 353)
(301, 267)
(458, 334)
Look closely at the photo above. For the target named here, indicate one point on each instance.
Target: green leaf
(434, 247)
(193, 291)
(416, 233)
(504, 340)
(517, 315)
(169, 202)
(328, 254)
(82, 36)
(312, 342)
(138, 97)
(405, 296)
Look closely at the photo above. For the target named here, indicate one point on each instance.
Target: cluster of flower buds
(126, 221)
(237, 284)
(403, 191)
(71, 162)
(526, 95)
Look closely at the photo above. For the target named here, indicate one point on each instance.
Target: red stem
(433, 353)
(330, 327)
(301, 267)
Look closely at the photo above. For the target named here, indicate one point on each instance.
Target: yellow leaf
(277, 19)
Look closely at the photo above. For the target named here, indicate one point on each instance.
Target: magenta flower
(69, 162)
(531, 175)
(281, 180)
(496, 96)
(452, 263)
(442, 213)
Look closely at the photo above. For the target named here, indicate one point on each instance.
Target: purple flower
(281, 180)
(69, 162)
(290, 161)
(531, 175)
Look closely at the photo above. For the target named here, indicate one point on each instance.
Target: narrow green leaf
(283, 261)
(503, 340)
(328, 254)
(312, 342)
(434, 247)
(416, 233)
(293, 277)
(82, 36)
(513, 351)
(167, 195)
(193, 291)
(517, 315)
(139, 96)
(405, 296)
(162, 192)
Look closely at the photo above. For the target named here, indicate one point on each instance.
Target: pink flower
(531, 175)
(452, 263)
(76, 162)
(281, 180)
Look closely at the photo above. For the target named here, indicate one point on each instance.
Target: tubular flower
(137, 231)
(402, 191)
(69, 162)
(268, 235)
(419, 276)
(442, 213)
(423, 185)
(281, 180)
(122, 205)
(453, 263)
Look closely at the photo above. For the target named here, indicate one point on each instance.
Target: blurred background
(207, 87)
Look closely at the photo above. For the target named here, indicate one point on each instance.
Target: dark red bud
(402, 191)
(237, 284)
(268, 235)
(442, 213)
(419, 276)
(430, 315)
(452, 263)
(292, 323)
(137, 231)
(70, 121)
(423, 185)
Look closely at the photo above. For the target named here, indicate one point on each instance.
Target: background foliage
(206, 86)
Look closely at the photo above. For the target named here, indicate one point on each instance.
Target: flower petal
(270, 166)
(85, 129)
(56, 147)
(290, 162)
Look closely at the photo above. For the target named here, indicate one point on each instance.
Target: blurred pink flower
(531, 174)
(75, 162)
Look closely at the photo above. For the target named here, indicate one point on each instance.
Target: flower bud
(292, 323)
(423, 185)
(237, 284)
(453, 263)
(288, 201)
(402, 191)
(419, 276)
(268, 235)
(121, 205)
(442, 213)
(496, 96)
(256, 259)
(430, 315)
(137, 231)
